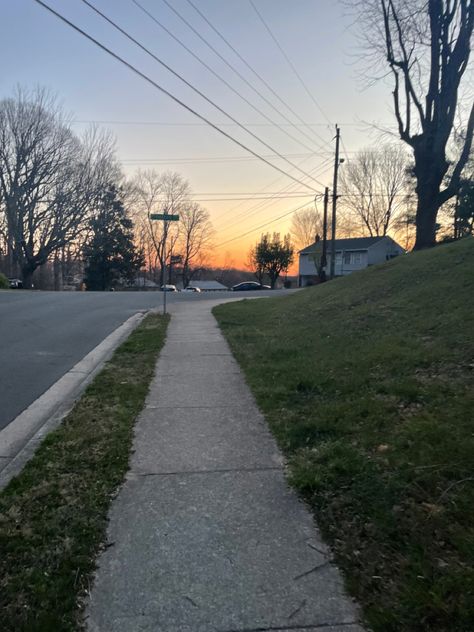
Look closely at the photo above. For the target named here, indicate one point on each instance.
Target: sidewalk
(205, 535)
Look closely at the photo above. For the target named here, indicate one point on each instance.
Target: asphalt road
(44, 334)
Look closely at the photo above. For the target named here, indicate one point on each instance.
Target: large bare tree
(373, 187)
(426, 45)
(165, 193)
(195, 236)
(305, 225)
(49, 178)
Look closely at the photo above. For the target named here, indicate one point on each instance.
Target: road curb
(20, 439)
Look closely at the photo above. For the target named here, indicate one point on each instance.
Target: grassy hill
(368, 384)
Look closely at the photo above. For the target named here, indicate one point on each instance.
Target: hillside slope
(367, 382)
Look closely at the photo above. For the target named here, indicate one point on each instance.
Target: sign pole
(164, 271)
(164, 217)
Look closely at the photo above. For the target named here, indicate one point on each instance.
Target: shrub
(4, 284)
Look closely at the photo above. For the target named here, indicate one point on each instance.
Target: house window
(352, 258)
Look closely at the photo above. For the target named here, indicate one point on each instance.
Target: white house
(355, 253)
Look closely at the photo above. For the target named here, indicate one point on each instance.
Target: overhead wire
(210, 159)
(248, 199)
(271, 183)
(169, 124)
(257, 74)
(163, 90)
(216, 74)
(290, 63)
(258, 208)
(189, 84)
(276, 219)
(229, 65)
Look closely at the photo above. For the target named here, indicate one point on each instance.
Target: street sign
(165, 217)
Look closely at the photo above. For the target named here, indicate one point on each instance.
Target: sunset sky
(152, 131)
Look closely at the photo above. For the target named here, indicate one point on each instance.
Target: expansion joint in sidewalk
(288, 628)
(216, 471)
(208, 407)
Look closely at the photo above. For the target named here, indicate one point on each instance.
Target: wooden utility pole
(324, 260)
(334, 203)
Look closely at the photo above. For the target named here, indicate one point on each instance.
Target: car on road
(169, 288)
(191, 288)
(16, 284)
(249, 285)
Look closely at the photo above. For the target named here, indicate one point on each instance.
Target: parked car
(169, 288)
(249, 285)
(16, 284)
(191, 288)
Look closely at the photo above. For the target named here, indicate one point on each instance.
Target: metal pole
(334, 203)
(164, 270)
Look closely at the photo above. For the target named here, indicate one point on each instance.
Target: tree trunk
(27, 278)
(57, 273)
(426, 214)
(430, 168)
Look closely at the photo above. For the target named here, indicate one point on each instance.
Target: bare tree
(165, 193)
(373, 187)
(49, 178)
(426, 44)
(305, 225)
(195, 235)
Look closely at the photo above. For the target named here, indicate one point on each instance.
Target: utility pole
(324, 261)
(334, 203)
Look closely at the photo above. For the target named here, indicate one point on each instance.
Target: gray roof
(351, 243)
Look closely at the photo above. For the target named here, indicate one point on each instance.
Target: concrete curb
(20, 439)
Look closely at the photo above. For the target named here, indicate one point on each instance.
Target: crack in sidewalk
(312, 570)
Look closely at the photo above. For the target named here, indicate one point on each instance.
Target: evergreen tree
(110, 254)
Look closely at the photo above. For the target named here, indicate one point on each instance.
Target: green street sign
(165, 217)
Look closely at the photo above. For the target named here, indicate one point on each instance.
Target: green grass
(53, 516)
(367, 383)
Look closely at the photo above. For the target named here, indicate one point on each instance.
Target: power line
(163, 90)
(257, 208)
(231, 199)
(272, 182)
(269, 193)
(242, 59)
(216, 74)
(227, 63)
(190, 85)
(252, 230)
(346, 153)
(290, 63)
(207, 158)
(169, 124)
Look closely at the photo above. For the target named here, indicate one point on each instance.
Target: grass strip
(53, 516)
(367, 383)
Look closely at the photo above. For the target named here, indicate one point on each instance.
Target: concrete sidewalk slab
(207, 536)
(180, 441)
